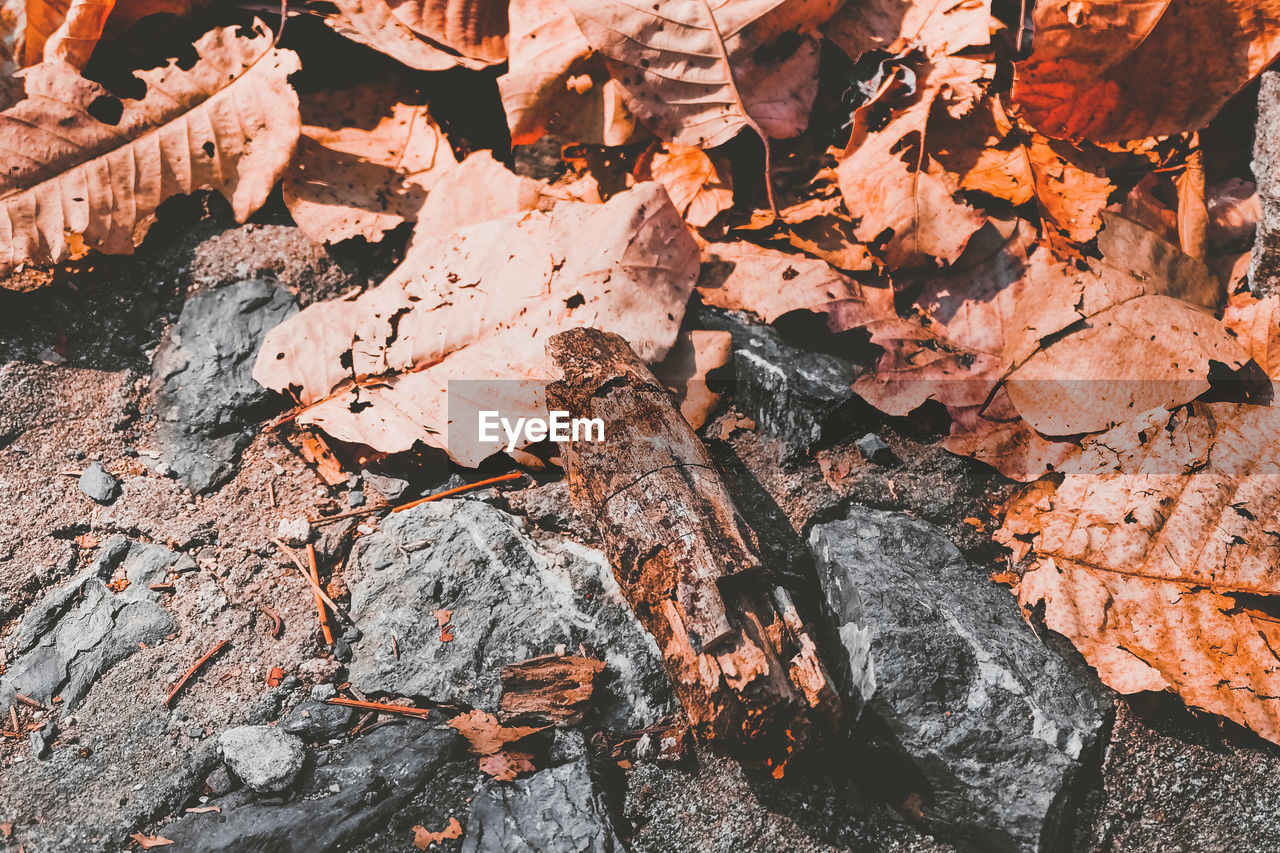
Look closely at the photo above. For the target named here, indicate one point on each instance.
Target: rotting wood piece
(742, 661)
(552, 687)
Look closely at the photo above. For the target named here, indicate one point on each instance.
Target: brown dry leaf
(1233, 211)
(903, 200)
(422, 838)
(996, 434)
(229, 122)
(13, 29)
(476, 30)
(699, 184)
(478, 305)
(146, 842)
(696, 353)
(275, 676)
(372, 24)
(364, 164)
(64, 29)
(820, 227)
(505, 766)
(442, 617)
(745, 277)
(556, 85)
(1156, 557)
(1256, 324)
(486, 735)
(898, 25)
(1139, 68)
(697, 73)
(1193, 210)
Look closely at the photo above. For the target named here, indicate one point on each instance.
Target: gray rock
(263, 757)
(355, 499)
(389, 487)
(208, 402)
(875, 449)
(792, 393)
(375, 777)
(555, 811)
(510, 598)
(82, 629)
(312, 720)
(220, 781)
(997, 723)
(98, 484)
(294, 531)
(1264, 264)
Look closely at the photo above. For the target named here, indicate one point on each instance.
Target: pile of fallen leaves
(1026, 216)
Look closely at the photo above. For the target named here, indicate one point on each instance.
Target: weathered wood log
(743, 663)
(554, 688)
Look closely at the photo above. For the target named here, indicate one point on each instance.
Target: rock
(40, 740)
(312, 720)
(795, 394)
(342, 650)
(263, 757)
(550, 507)
(98, 484)
(875, 449)
(320, 692)
(1264, 264)
(294, 531)
(997, 723)
(389, 487)
(220, 781)
(208, 401)
(355, 499)
(510, 598)
(80, 630)
(554, 811)
(375, 777)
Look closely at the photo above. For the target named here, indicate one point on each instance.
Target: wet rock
(358, 790)
(80, 630)
(554, 811)
(1264, 265)
(98, 484)
(208, 402)
(312, 720)
(509, 598)
(263, 757)
(792, 393)
(997, 723)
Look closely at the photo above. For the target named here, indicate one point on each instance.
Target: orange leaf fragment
(506, 766)
(274, 676)
(423, 838)
(486, 735)
(146, 842)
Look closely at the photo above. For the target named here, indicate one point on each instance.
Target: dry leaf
(1233, 211)
(229, 122)
(696, 73)
(696, 353)
(446, 634)
(443, 617)
(996, 434)
(480, 189)
(476, 30)
(894, 26)
(768, 283)
(1130, 70)
(555, 84)
(372, 24)
(1256, 324)
(819, 227)
(422, 839)
(505, 766)
(364, 164)
(64, 29)
(486, 735)
(478, 305)
(146, 842)
(700, 186)
(275, 676)
(1156, 557)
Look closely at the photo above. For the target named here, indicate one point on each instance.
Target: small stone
(313, 720)
(294, 531)
(355, 499)
(220, 782)
(342, 651)
(98, 484)
(265, 758)
(130, 452)
(875, 449)
(40, 741)
(195, 732)
(390, 488)
(320, 692)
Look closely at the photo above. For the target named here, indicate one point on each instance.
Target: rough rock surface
(557, 810)
(795, 394)
(82, 629)
(359, 788)
(998, 724)
(203, 372)
(1264, 265)
(313, 720)
(98, 484)
(263, 757)
(509, 598)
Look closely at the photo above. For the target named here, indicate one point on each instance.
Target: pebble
(98, 484)
(355, 499)
(294, 531)
(875, 449)
(265, 758)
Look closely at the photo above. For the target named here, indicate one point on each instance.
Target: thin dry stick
(28, 701)
(315, 576)
(276, 622)
(438, 495)
(13, 716)
(306, 576)
(403, 710)
(182, 682)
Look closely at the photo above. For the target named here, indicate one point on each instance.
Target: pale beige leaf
(474, 29)
(555, 84)
(820, 227)
(697, 73)
(699, 186)
(228, 123)
(768, 283)
(1256, 324)
(1156, 557)
(696, 353)
(475, 307)
(147, 842)
(506, 766)
(364, 164)
(894, 26)
(372, 24)
(994, 433)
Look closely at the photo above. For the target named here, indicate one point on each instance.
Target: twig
(277, 624)
(166, 586)
(271, 492)
(306, 576)
(182, 682)
(315, 576)
(355, 513)
(28, 701)
(438, 495)
(13, 715)
(403, 710)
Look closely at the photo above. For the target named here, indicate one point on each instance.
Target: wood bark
(742, 661)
